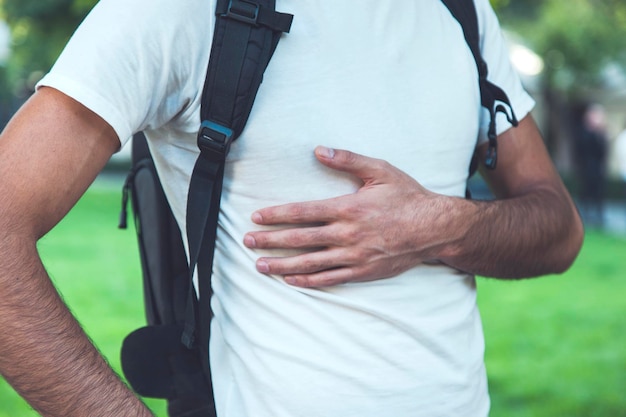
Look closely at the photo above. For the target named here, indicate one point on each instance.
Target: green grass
(556, 346)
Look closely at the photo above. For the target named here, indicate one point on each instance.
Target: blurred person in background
(590, 147)
(620, 156)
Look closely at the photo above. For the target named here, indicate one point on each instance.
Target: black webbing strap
(245, 37)
(255, 13)
(492, 97)
(236, 70)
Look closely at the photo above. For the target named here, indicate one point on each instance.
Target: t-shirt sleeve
(125, 63)
(501, 71)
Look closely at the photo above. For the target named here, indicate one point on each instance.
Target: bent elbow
(570, 245)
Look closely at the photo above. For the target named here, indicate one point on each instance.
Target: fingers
(369, 170)
(361, 166)
(327, 264)
(296, 213)
(308, 263)
(316, 269)
(322, 279)
(307, 237)
(331, 267)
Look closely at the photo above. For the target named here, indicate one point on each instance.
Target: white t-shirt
(392, 80)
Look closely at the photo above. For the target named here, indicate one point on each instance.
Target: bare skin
(49, 154)
(393, 224)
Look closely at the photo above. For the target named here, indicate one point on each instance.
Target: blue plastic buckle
(214, 140)
(243, 11)
(491, 158)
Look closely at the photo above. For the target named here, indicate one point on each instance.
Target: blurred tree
(577, 39)
(497, 4)
(39, 30)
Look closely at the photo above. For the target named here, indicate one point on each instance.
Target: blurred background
(555, 346)
(571, 55)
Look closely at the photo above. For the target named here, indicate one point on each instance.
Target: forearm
(45, 167)
(532, 234)
(44, 354)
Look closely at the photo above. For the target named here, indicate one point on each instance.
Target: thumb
(358, 165)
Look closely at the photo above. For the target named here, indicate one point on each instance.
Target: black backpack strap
(154, 360)
(246, 35)
(492, 97)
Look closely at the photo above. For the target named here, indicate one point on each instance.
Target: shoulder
(163, 20)
(137, 63)
(495, 52)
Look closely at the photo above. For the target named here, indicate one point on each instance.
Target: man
(343, 284)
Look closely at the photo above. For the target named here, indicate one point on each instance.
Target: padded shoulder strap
(245, 37)
(492, 97)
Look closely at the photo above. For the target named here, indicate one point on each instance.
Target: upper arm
(530, 189)
(50, 152)
(523, 163)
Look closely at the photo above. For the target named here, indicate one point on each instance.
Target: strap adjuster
(491, 158)
(214, 140)
(243, 11)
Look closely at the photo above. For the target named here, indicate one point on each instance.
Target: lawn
(556, 346)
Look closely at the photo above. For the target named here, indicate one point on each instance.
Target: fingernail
(291, 280)
(262, 267)
(249, 241)
(256, 217)
(325, 152)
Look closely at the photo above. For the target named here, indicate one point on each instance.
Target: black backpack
(164, 359)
